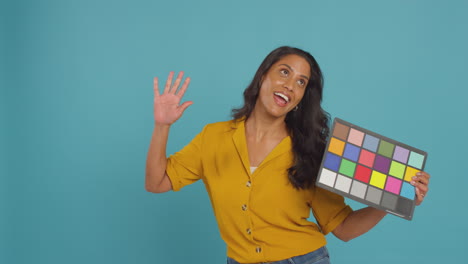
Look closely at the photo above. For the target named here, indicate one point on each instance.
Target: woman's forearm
(156, 160)
(358, 223)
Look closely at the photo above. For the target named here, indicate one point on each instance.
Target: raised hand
(167, 107)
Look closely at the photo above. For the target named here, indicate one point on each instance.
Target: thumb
(184, 106)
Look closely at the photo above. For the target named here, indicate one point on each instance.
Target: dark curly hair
(308, 125)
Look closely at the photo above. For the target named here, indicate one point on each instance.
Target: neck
(262, 126)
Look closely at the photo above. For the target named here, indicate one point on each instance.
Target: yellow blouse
(260, 215)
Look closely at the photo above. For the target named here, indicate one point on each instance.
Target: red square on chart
(362, 173)
(367, 158)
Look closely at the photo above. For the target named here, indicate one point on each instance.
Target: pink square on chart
(355, 137)
(367, 158)
(393, 185)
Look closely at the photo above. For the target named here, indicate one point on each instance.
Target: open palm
(167, 107)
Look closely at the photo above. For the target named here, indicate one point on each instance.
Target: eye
(284, 72)
(301, 82)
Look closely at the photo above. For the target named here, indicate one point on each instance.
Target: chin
(278, 114)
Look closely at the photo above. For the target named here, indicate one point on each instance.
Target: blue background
(76, 117)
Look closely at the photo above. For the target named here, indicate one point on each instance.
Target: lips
(281, 99)
(285, 97)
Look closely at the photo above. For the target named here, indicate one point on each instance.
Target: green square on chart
(386, 149)
(347, 168)
(416, 160)
(397, 169)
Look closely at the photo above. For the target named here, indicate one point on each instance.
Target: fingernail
(415, 177)
(412, 182)
(419, 173)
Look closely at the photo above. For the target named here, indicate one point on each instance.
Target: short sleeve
(185, 167)
(329, 209)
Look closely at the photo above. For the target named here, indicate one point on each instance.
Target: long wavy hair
(307, 126)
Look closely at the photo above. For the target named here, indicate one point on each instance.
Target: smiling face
(283, 86)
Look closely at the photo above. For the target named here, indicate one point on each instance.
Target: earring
(295, 108)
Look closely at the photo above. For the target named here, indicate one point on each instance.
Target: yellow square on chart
(336, 146)
(378, 179)
(410, 173)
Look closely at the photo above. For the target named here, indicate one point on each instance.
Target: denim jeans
(319, 256)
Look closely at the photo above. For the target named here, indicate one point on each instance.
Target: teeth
(283, 96)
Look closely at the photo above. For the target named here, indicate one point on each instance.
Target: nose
(289, 84)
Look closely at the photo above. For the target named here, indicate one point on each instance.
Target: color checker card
(371, 169)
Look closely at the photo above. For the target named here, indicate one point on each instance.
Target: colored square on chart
(397, 169)
(362, 173)
(370, 168)
(416, 160)
(386, 148)
(382, 164)
(393, 185)
(356, 137)
(378, 179)
(367, 158)
(410, 173)
(347, 168)
(351, 152)
(332, 162)
(408, 191)
(341, 131)
(336, 146)
(401, 154)
(371, 143)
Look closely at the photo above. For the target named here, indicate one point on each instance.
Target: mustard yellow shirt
(260, 215)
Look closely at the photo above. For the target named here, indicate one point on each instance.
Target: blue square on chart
(407, 190)
(332, 162)
(352, 152)
(371, 143)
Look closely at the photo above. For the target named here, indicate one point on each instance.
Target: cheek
(265, 87)
(299, 95)
(266, 83)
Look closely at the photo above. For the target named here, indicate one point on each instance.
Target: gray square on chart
(374, 195)
(404, 206)
(389, 201)
(343, 183)
(327, 177)
(358, 189)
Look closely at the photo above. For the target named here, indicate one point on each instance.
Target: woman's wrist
(161, 125)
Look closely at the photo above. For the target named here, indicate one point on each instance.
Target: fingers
(177, 82)
(422, 188)
(419, 197)
(184, 87)
(172, 87)
(421, 184)
(421, 177)
(155, 87)
(167, 87)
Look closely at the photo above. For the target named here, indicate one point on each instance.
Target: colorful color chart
(371, 169)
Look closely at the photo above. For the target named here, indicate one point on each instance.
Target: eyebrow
(289, 67)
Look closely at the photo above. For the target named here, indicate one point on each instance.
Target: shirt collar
(240, 143)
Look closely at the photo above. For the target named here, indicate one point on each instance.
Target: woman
(259, 169)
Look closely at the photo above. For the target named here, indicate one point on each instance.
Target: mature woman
(259, 169)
